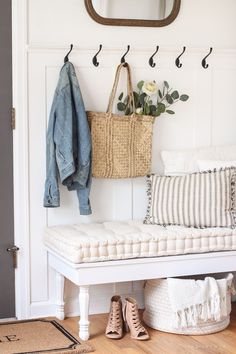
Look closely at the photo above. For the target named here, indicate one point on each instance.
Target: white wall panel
(223, 108)
(207, 118)
(37, 124)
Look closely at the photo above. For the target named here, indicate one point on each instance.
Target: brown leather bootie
(132, 320)
(114, 329)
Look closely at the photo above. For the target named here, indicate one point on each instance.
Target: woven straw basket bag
(159, 315)
(121, 144)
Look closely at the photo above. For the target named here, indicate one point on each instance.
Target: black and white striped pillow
(202, 199)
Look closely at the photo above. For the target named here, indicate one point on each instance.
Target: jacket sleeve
(84, 144)
(83, 196)
(51, 193)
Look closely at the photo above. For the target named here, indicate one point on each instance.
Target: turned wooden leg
(84, 312)
(59, 296)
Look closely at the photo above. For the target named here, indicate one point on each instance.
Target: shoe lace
(136, 320)
(114, 321)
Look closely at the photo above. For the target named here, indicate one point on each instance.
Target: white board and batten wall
(43, 31)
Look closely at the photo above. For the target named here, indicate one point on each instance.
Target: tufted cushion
(113, 240)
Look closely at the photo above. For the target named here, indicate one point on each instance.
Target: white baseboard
(100, 297)
(4, 320)
(41, 309)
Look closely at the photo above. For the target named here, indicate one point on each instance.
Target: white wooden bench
(72, 256)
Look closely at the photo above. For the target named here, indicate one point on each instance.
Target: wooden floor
(160, 343)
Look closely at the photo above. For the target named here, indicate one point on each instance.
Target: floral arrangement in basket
(149, 100)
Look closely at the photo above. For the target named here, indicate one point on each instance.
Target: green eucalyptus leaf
(169, 99)
(136, 99)
(145, 108)
(169, 111)
(140, 85)
(184, 98)
(121, 106)
(142, 98)
(121, 96)
(166, 84)
(136, 96)
(160, 94)
(175, 95)
(161, 107)
(152, 108)
(156, 114)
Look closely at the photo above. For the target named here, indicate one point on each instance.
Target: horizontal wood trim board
(143, 50)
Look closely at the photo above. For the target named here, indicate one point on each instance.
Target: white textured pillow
(201, 199)
(206, 165)
(180, 162)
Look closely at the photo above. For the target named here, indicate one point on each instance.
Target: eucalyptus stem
(162, 99)
(172, 103)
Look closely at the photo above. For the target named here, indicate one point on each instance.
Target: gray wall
(7, 292)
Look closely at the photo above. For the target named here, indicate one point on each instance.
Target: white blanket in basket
(198, 300)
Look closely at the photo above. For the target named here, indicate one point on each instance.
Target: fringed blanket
(198, 300)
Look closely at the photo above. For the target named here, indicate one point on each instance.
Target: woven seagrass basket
(158, 313)
(121, 144)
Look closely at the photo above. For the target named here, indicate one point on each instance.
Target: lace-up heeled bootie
(114, 329)
(132, 320)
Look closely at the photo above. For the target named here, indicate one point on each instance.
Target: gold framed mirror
(148, 13)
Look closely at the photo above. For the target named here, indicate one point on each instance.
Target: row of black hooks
(150, 61)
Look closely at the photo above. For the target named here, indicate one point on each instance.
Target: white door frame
(20, 156)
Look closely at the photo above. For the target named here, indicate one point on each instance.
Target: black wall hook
(123, 58)
(177, 61)
(204, 64)
(95, 61)
(66, 59)
(151, 62)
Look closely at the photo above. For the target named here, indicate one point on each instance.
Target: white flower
(139, 110)
(150, 88)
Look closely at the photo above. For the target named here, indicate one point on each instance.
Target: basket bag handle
(129, 87)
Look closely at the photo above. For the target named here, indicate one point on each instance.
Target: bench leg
(84, 312)
(59, 300)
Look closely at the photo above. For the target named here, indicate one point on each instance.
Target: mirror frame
(132, 22)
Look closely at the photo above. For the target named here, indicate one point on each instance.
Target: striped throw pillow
(202, 199)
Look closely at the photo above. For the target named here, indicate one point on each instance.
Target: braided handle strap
(115, 84)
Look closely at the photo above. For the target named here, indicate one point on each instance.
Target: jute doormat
(38, 336)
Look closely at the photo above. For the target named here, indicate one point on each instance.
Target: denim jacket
(68, 143)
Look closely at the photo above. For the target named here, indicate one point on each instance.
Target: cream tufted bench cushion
(108, 241)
